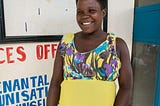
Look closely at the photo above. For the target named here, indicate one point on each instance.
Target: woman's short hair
(103, 3)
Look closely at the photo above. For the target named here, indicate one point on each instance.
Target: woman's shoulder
(121, 45)
(119, 42)
(117, 38)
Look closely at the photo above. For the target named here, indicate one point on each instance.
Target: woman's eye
(79, 12)
(92, 11)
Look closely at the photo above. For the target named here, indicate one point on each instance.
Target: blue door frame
(157, 90)
(147, 30)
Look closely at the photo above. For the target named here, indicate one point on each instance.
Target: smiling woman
(89, 16)
(88, 63)
(92, 12)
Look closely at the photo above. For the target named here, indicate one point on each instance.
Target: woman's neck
(94, 35)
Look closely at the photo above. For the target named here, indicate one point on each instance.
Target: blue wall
(147, 24)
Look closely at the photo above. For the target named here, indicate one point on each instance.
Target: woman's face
(89, 15)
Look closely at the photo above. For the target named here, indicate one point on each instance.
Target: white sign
(25, 73)
(39, 17)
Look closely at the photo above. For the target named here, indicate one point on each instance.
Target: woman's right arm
(57, 78)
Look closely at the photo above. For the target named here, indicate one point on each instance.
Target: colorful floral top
(102, 63)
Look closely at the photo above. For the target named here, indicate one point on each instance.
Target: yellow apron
(87, 93)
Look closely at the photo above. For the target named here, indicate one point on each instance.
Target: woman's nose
(86, 15)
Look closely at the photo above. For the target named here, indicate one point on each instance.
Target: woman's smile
(89, 16)
(86, 23)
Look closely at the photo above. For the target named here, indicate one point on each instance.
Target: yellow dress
(87, 93)
(89, 78)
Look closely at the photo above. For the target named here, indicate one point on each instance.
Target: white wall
(120, 21)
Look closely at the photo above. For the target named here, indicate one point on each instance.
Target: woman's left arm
(125, 79)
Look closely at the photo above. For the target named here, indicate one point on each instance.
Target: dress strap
(112, 43)
(65, 43)
(67, 38)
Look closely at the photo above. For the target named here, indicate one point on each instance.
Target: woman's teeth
(86, 23)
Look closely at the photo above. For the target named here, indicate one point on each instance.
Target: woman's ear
(104, 11)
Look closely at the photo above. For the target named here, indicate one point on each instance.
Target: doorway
(146, 56)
